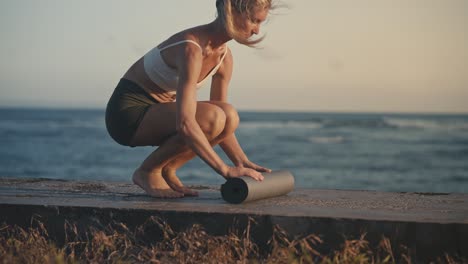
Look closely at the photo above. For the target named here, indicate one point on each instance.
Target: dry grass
(156, 242)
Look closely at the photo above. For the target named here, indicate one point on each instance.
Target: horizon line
(95, 108)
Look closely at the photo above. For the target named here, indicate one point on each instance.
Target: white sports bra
(164, 76)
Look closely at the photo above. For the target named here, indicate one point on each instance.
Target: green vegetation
(156, 242)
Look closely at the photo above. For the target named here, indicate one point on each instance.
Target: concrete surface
(429, 224)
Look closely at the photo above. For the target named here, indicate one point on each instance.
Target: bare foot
(154, 184)
(174, 182)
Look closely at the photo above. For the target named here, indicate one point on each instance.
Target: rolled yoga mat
(246, 189)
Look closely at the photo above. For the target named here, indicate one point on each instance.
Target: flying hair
(228, 10)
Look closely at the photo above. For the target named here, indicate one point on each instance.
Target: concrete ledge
(429, 224)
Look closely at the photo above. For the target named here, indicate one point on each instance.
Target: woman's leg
(158, 127)
(169, 170)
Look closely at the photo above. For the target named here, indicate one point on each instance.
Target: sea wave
(369, 123)
(327, 140)
(428, 124)
(355, 123)
(280, 124)
(20, 125)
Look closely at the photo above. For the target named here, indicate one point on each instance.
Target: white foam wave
(276, 125)
(97, 123)
(50, 124)
(427, 124)
(326, 140)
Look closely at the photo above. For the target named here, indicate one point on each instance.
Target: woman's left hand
(251, 165)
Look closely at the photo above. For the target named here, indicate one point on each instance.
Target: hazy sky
(329, 55)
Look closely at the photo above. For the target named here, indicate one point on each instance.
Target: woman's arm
(219, 92)
(189, 66)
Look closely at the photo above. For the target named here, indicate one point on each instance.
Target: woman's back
(164, 56)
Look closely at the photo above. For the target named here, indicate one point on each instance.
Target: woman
(155, 104)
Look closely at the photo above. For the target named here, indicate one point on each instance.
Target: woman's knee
(212, 120)
(232, 117)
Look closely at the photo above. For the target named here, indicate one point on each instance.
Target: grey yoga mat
(246, 189)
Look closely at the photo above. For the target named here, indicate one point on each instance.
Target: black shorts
(126, 109)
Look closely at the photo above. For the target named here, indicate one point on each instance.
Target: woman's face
(251, 25)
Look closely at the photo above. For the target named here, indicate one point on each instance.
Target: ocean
(354, 151)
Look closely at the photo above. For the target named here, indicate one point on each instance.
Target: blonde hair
(226, 9)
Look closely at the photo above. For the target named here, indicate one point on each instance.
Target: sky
(328, 55)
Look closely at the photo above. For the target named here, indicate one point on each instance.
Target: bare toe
(174, 182)
(186, 191)
(165, 193)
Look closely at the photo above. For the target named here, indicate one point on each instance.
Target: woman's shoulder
(227, 57)
(183, 42)
(227, 63)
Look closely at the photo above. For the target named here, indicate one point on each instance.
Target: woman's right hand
(234, 172)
